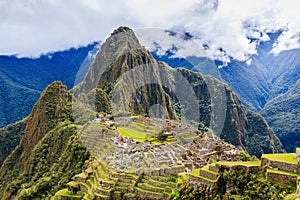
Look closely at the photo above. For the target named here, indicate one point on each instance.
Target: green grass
(73, 184)
(132, 133)
(246, 163)
(100, 195)
(82, 175)
(284, 157)
(182, 178)
(195, 172)
(104, 180)
(283, 172)
(213, 159)
(65, 193)
(290, 197)
(139, 123)
(139, 126)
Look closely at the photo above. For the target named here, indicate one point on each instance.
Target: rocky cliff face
(137, 84)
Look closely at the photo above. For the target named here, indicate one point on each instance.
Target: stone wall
(149, 195)
(214, 168)
(290, 167)
(197, 179)
(282, 178)
(298, 188)
(248, 169)
(165, 171)
(264, 162)
(208, 174)
(298, 154)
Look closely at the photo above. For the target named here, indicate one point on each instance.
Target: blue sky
(32, 27)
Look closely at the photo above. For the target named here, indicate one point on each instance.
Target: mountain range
(266, 83)
(132, 114)
(23, 79)
(261, 83)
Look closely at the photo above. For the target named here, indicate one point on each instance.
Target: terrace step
(101, 196)
(155, 195)
(209, 174)
(102, 191)
(149, 187)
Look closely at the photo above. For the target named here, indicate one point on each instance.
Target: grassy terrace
(283, 172)
(196, 173)
(132, 133)
(246, 163)
(65, 193)
(284, 157)
(142, 132)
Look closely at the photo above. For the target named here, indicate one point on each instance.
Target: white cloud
(32, 27)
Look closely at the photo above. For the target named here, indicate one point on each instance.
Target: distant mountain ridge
(23, 79)
(260, 83)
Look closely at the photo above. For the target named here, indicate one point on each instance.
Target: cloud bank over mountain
(221, 29)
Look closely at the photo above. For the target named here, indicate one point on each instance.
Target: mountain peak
(122, 29)
(121, 43)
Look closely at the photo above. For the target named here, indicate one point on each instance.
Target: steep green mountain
(282, 113)
(136, 83)
(49, 152)
(23, 79)
(265, 84)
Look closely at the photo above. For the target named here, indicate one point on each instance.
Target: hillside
(28, 77)
(10, 137)
(260, 84)
(138, 84)
(282, 113)
(49, 152)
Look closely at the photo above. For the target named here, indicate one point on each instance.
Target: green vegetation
(260, 138)
(287, 157)
(282, 113)
(10, 137)
(242, 186)
(132, 133)
(65, 192)
(102, 102)
(247, 163)
(28, 77)
(252, 186)
(195, 172)
(161, 136)
(272, 89)
(49, 153)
